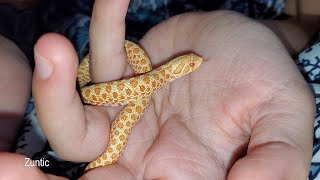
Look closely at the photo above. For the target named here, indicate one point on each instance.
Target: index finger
(107, 38)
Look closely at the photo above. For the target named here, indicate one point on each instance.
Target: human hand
(247, 97)
(250, 113)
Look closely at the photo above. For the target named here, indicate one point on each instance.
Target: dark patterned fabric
(258, 9)
(309, 63)
(144, 14)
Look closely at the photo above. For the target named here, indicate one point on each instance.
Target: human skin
(246, 113)
(304, 13)
(294, 35)
(15, 89)
(304, 7)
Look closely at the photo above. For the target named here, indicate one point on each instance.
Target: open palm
(246, 113)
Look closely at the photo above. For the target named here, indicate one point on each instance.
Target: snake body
(134, 93)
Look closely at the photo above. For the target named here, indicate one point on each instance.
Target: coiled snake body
(134, 93)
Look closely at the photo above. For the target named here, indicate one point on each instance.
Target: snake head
(185, 64)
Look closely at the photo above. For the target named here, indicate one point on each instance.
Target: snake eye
(192, 64)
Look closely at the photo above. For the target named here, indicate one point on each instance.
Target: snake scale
(134, 93)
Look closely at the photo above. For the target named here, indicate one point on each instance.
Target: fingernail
(43, 67)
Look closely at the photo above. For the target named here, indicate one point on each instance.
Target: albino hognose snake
(134, 93)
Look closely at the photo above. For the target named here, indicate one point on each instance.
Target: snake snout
(195, 61)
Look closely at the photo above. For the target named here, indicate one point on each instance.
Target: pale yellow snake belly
(134, 93)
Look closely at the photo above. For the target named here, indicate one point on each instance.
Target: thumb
(280, 145)
(274, 160)
(58, 105)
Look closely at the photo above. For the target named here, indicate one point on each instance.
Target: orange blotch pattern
(120, 86)
(134, 83)
(142, 88)
(108, 89)
(128, 92)
(97, 91)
